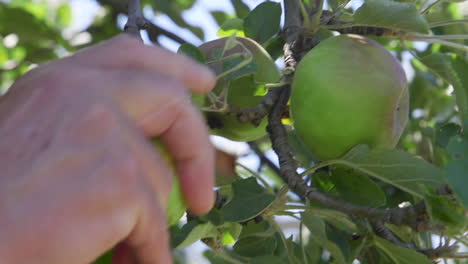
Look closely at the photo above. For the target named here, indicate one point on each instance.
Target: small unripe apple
(176, 205)
(242, 91)
(348, 90)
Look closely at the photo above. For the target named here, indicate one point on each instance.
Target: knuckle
(125, 175)
(94, 123)
(101, 113)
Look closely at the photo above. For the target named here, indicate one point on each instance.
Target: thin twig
(448, 22)
(448, 44)
(263, 158)
(154, 31)
(424, 37)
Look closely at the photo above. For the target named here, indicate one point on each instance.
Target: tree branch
(155, 31)
(135, 20)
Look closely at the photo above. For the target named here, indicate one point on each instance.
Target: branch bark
(135, 19)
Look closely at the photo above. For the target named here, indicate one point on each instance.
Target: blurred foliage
(34, 32)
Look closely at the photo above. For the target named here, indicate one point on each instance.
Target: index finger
(125, 51)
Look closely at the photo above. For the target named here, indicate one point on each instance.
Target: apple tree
(357, 112)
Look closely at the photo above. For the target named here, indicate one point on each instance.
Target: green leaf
(392, 15)
(3, 54)
(404, 233)
(242, 10)
(445, 133)
(300, 151)
(335, 3)
(22, 23)
(298, 254)
(341, 239)
(357, 188)
(220, 17)
(252, 228)
(315, 224)
(232, 27)
(214, 258)
(372, 255)
(254, 246)
(106, 258)
(400, 255)
(64, 15)
(453, 69)
(183, 4)
(274, 47)
(168, 6)
(39, 9)
(231, 232)
(192, 51)
(269, 259)
(336, 219)
(192, 232)
(317, 228)
(395, 167)
(457, 168)
(447, 212)
(250, 199)
(263, 22)
(246, 70)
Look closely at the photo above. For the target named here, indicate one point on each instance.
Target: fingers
(126, 52)
(161, 107)
(188, 142)
(143, 95)
(148, 244)
(150, 239)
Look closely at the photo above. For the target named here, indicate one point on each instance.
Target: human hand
(78, 172)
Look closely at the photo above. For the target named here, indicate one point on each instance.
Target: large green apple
(242, 91)
(348, 90)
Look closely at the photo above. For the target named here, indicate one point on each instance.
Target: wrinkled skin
(79, 175)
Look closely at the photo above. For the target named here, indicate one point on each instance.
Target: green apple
(242, 91)
(176, 206)
(348, 90)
